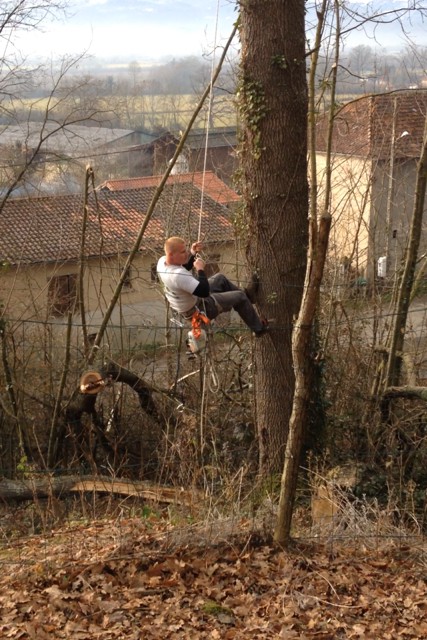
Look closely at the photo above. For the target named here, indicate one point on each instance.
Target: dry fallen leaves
(124, 579)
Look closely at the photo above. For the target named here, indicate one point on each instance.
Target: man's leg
(219, 283)
(228, 296)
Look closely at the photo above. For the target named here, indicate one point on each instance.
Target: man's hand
(199, 264)
(196, 247)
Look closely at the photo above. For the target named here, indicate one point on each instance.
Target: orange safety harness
(197, 320)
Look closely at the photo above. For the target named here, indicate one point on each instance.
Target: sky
(136, 29)
(160, 29)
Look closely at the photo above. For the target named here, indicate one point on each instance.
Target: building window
(62, 294)
(212, 264)
(127, 282)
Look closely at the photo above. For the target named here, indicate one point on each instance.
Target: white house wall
(349, 208)
(392, 209)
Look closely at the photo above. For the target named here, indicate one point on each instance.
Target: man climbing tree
(189, 294)
(273, 107)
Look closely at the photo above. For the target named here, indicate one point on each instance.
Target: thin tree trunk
(81, 300)
(304, 327)
(55, 429)
(11, 390)
(302, 341)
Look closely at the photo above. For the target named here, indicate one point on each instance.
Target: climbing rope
(210, 382)
(200, 337)
(208, 123)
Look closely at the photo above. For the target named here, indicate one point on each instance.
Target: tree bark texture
(273, 107)
(305, 398)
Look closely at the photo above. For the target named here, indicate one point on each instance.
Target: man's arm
(189, 265)
(195, 248)
(202, 290)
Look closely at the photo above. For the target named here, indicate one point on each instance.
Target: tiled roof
(48, 229)
(209, 182)
(365, 127)
(218, 137)
(408, 112)
(200, 138)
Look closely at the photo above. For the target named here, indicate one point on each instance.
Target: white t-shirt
(179, 285)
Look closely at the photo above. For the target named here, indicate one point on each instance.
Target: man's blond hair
(173, 243)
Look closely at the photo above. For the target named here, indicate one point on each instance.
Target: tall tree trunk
(273, 107)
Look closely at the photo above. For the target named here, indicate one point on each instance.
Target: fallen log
(62, 485)
(409, 391)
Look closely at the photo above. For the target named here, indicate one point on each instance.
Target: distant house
(41, 243)
(69, 139)
(152, 158)
(66, 150)
(62, 153)
(210, 150)
(375, 150)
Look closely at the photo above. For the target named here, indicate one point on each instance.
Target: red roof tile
(365, 127)
(208, 182)
(48, 229)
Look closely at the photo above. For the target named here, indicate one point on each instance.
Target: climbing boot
(252, 289)
(265, 328)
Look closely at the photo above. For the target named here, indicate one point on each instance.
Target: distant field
(165, 111)
(155, 111)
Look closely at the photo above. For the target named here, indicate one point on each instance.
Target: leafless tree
(332, 18)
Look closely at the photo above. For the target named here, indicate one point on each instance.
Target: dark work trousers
(224, 296)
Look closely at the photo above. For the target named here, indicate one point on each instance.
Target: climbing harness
(200, 344)
(196, 337)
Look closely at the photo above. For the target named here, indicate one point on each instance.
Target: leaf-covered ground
(140, 579)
